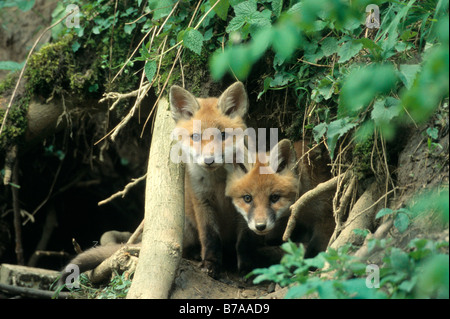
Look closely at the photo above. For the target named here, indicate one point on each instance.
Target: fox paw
(211, 268)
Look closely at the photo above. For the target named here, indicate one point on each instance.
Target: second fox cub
(264, 200)
(210, 216)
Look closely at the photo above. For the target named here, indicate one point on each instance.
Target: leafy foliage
(419, 270)
(354, 74)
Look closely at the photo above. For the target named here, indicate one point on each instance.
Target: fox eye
(247, 198)
(196, 137)
(274, 198)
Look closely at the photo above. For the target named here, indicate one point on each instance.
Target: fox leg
(246, 244)
(211, 243)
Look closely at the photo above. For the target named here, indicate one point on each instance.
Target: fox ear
(282, 156)
(234, 101)
(182, 103)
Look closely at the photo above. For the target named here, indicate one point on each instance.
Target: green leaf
(75, 46)
(348, 50)
(286, 39)
(329, 46)
(277, 6)
(248, 19)
(150, 70)
(408, 73)
(385, 110)
(246, 8)
(160, 8)
(434, 280)
(337, 129)
(401, 222)
(11, 65)
(432, 132)
(25, 5)
(193, 40)
(319, 130)
(383, 212)
(129, 27)
(221, 9)
(363, 84)
(399, 260)
(374, 49)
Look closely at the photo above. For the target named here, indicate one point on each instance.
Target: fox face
(262, 199)
(206, 123)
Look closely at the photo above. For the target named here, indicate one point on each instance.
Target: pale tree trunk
(164, 215)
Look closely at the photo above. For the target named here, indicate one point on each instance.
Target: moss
(8, 82)
(16, 123)
(49, 70)
(362, 157)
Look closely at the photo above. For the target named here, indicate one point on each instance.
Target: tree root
(302, 202)
(123, 260)
(361, 216)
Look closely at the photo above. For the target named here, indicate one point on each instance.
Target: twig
(134, 238)
(76, 246)
(315, 64)
(124, 191)
(298, 206)
(180, 49)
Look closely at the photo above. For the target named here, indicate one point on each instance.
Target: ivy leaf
(348, 50)
(150, 70)
(193, 40)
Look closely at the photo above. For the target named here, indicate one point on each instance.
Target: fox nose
(260, 226)
(209, 160)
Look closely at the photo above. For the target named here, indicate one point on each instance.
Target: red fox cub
(263, 199)
(210, 216)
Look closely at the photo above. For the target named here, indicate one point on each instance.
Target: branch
(124, 191)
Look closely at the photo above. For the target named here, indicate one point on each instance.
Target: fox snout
(261, 221)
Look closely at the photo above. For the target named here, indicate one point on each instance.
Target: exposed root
(123, 260)
(361, 216)
(301, 203)
(340, 212)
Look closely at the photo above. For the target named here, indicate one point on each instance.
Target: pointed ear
(282, 156)
(234, 101)
(182, 103)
